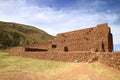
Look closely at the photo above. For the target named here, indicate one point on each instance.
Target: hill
(14, 34)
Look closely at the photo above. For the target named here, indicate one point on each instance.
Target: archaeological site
(85, 45)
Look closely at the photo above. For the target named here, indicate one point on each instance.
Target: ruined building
(97, 38)
(86, 45)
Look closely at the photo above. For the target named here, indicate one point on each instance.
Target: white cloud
(115, 29)
(55, 21)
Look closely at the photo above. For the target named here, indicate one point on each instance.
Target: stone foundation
(110, 59)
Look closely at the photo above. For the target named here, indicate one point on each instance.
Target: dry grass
(10, 65)
(105, 72)
(17, 68)
(35, 65)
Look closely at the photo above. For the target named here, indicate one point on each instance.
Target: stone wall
(99, 37)
(16, 51)
(57, 56)
(111, 59)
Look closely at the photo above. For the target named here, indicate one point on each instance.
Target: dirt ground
(76, 72)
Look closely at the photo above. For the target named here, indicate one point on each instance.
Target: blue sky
(56, 16)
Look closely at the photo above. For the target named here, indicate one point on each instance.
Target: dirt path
(80, 71)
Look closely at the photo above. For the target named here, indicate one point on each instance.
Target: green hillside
(14, 34)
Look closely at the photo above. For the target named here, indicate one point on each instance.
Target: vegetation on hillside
(13, 34)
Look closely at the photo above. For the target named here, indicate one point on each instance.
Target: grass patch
(14, 64)
(104, 72)
(4, 55)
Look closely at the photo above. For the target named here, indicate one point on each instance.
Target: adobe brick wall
(99, 37)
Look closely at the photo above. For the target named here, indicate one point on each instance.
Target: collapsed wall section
(110, 59)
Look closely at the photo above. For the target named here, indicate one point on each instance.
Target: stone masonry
(97, 38)
(86, 45)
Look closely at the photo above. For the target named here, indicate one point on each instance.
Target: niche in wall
(65, 49)
(54, 46)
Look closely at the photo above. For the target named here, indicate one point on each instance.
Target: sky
(57, 16)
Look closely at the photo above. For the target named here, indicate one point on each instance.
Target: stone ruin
(97, 39)
(86, 45)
